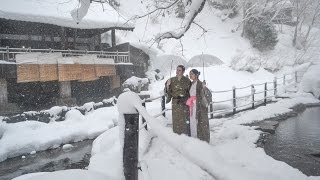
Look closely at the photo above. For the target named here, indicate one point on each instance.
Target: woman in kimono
(198, 106)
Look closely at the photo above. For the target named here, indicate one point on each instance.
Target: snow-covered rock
(246, 62)
(136, 84)
(74, 115)
(67, 147)
(310, 81)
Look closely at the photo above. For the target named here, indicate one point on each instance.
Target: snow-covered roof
(58, 12)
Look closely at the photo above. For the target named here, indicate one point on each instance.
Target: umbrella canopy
(204, 59)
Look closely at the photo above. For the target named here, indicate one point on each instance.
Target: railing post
(117, 56)
(265, 93)
(211, 110)
(130, 148)
(163, 105)
(275, 86)
(234, 99)
(252, 94)
(143, 120)
(7, 51)
(284, 79)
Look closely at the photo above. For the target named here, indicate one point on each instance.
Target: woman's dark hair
(196, 72)
(182, 67)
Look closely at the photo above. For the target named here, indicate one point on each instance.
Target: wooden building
(46, 58)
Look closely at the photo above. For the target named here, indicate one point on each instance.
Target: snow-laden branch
(193, 9)
(79, 12)
(153, 11)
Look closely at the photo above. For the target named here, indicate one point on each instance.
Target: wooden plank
(48, 72)
(69, 72)
(105, 70)
(27, 73)
(88, 72)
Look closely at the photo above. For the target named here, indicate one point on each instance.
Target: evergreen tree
(261, 33)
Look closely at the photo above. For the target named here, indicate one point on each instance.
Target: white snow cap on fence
(103, 60)
(127, 102)
(135, 81)
(27, 58)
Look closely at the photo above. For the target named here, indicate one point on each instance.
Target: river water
(297, 142)
(46, 161)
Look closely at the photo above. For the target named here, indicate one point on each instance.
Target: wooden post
(211, 110)
(113, 37)
(252, 94)
(234, 99)
(117, 56)
(143, 120)
(265, 93)
(63, 38)
(128, 53)
(130, 148)
(275, 86)
(163, 105)
(3, 92)
(7, 51)
(75, 39)
(284, 79)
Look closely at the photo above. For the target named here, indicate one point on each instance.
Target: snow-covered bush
(136, 84)
(229, 8)
(261, 33)
(74, 115)
(310, 81)
(154, 75)
(246, 62)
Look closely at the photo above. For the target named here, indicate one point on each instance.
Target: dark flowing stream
(297, 142)
(46, 161)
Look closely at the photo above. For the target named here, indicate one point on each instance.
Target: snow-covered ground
(231, 154)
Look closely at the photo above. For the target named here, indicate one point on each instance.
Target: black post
(234, 100)
(7, 51)
(265, 93)
(211, 110)
(163, 105)
(143, 120)
(252, 93)
(130, 148)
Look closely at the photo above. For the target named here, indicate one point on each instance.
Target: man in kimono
(177, 89)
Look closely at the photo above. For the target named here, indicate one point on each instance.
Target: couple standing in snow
(189, 105)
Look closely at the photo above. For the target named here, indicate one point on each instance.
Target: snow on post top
(59, 12)
(127, 102)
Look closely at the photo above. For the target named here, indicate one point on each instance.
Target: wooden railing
(260, 94)
(9, 54)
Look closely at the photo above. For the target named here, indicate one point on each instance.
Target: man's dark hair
(182, 67)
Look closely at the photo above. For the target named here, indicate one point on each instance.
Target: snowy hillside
(221, 39)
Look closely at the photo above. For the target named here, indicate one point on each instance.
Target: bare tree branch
(179, 34)
(151, 12)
